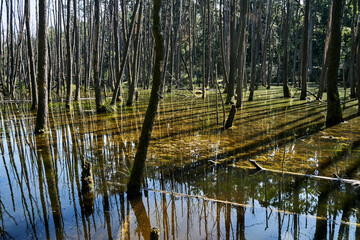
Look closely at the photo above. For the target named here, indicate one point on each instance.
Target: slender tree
(31, 67)
(42, 112)
(305, 62)
(233, 55)
(68, 56)
(77, 52)
(334, 113)
(241, 52)
(97, 80)
(136, 177)
(286, 90)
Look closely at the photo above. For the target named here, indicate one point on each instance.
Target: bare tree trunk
(68, 56)
(31, 67)
(286, 90)
(77, 53)
(191, 29)
(222, 42)
(254, 37)
(325, 65)
(233, 55)
(42, 113)
(304, 72)
(137, 173)
(125, 56)
(334, 113)
(266, 40)
(354, 33)
(97, 81)
(133, 85)
(241, 52)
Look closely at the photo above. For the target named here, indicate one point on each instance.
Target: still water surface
(186, 196)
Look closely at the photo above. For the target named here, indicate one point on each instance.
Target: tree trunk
(286, 90)
(305, 39)
(119, 74)
(266, 40)
(137, 173)
(241, 52)
(97, 81)
(233, 55)
(31, 67)
(133, 85)
(77, 53)
(334, 113)
(68, 56)
(254, 36)
(42, 113)
(325, 65)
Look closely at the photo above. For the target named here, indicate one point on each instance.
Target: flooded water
(199, 183)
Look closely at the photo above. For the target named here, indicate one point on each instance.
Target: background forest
(205, 43)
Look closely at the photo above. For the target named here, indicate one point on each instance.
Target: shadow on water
(43, 191)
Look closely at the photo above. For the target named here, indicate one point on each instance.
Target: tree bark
(286, 90)
(42, 113)
(325, 65)
(77, 53)
(241, 52)
(137, 173)
(233, 55)
(119, 74)
(34, 100)
(97, 81)
(334, 113)
(304, 71)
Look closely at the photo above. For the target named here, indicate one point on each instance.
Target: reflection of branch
(4, 209)
(248, 206)
(335, 178)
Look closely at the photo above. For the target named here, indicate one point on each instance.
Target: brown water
(186, 197)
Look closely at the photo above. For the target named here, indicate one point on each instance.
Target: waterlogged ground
(187, 196)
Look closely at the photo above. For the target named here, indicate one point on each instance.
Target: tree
(97, 81)
(304, 71)
(241, 52)
(233, 56)
(77, 53)
(135, 181)
(31, 67)
(334, 113)
(286, 90)
(68, 56)
(42, 113)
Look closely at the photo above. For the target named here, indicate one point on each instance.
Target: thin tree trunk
(42, 113)
(133, 85)
(305, 39)
(241, 52)
(31, 67)
(68, 56)
(77, 53)
(137, 173)
(286, 90)
(334, 113)
(233, 55)
(97, 81)
(125, 56)
(325, 65)
(354, 33)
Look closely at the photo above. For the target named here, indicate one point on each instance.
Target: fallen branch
(335, 178)
(316, 97)
(244, 205)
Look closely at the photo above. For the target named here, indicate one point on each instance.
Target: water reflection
(43, 195)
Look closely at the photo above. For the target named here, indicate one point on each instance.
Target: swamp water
(187, 196)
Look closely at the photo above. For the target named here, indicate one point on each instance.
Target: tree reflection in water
(42, 195)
